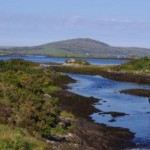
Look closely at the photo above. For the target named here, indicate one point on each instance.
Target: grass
(27, 105)
(52, 52)
(12, 138)
(65, 114)
(141, 65)
(137, 70)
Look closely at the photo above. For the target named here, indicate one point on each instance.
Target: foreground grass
(19, 139)
(30, 117)
(27, 105)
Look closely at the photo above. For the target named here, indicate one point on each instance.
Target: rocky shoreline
(35, 99)
(87, 134)
(105, 72)
(138, 92)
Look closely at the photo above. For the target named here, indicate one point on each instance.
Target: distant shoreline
(47, 55)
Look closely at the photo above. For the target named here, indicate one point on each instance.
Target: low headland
(37, 112)
(137, 70)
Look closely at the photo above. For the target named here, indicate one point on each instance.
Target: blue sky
(34, 22)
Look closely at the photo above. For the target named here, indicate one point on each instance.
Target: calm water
(46, 59)
(138, 108)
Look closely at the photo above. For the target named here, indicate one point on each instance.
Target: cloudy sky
(34, 22)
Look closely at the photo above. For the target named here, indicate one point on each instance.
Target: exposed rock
(114, 114)
(76, 62)
(139, 92)
(89, 135)
(47, 96)
(111, 120)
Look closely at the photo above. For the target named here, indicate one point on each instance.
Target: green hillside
(81, 47)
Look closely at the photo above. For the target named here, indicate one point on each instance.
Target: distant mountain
(81, 47)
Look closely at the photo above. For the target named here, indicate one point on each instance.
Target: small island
(76, 62)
